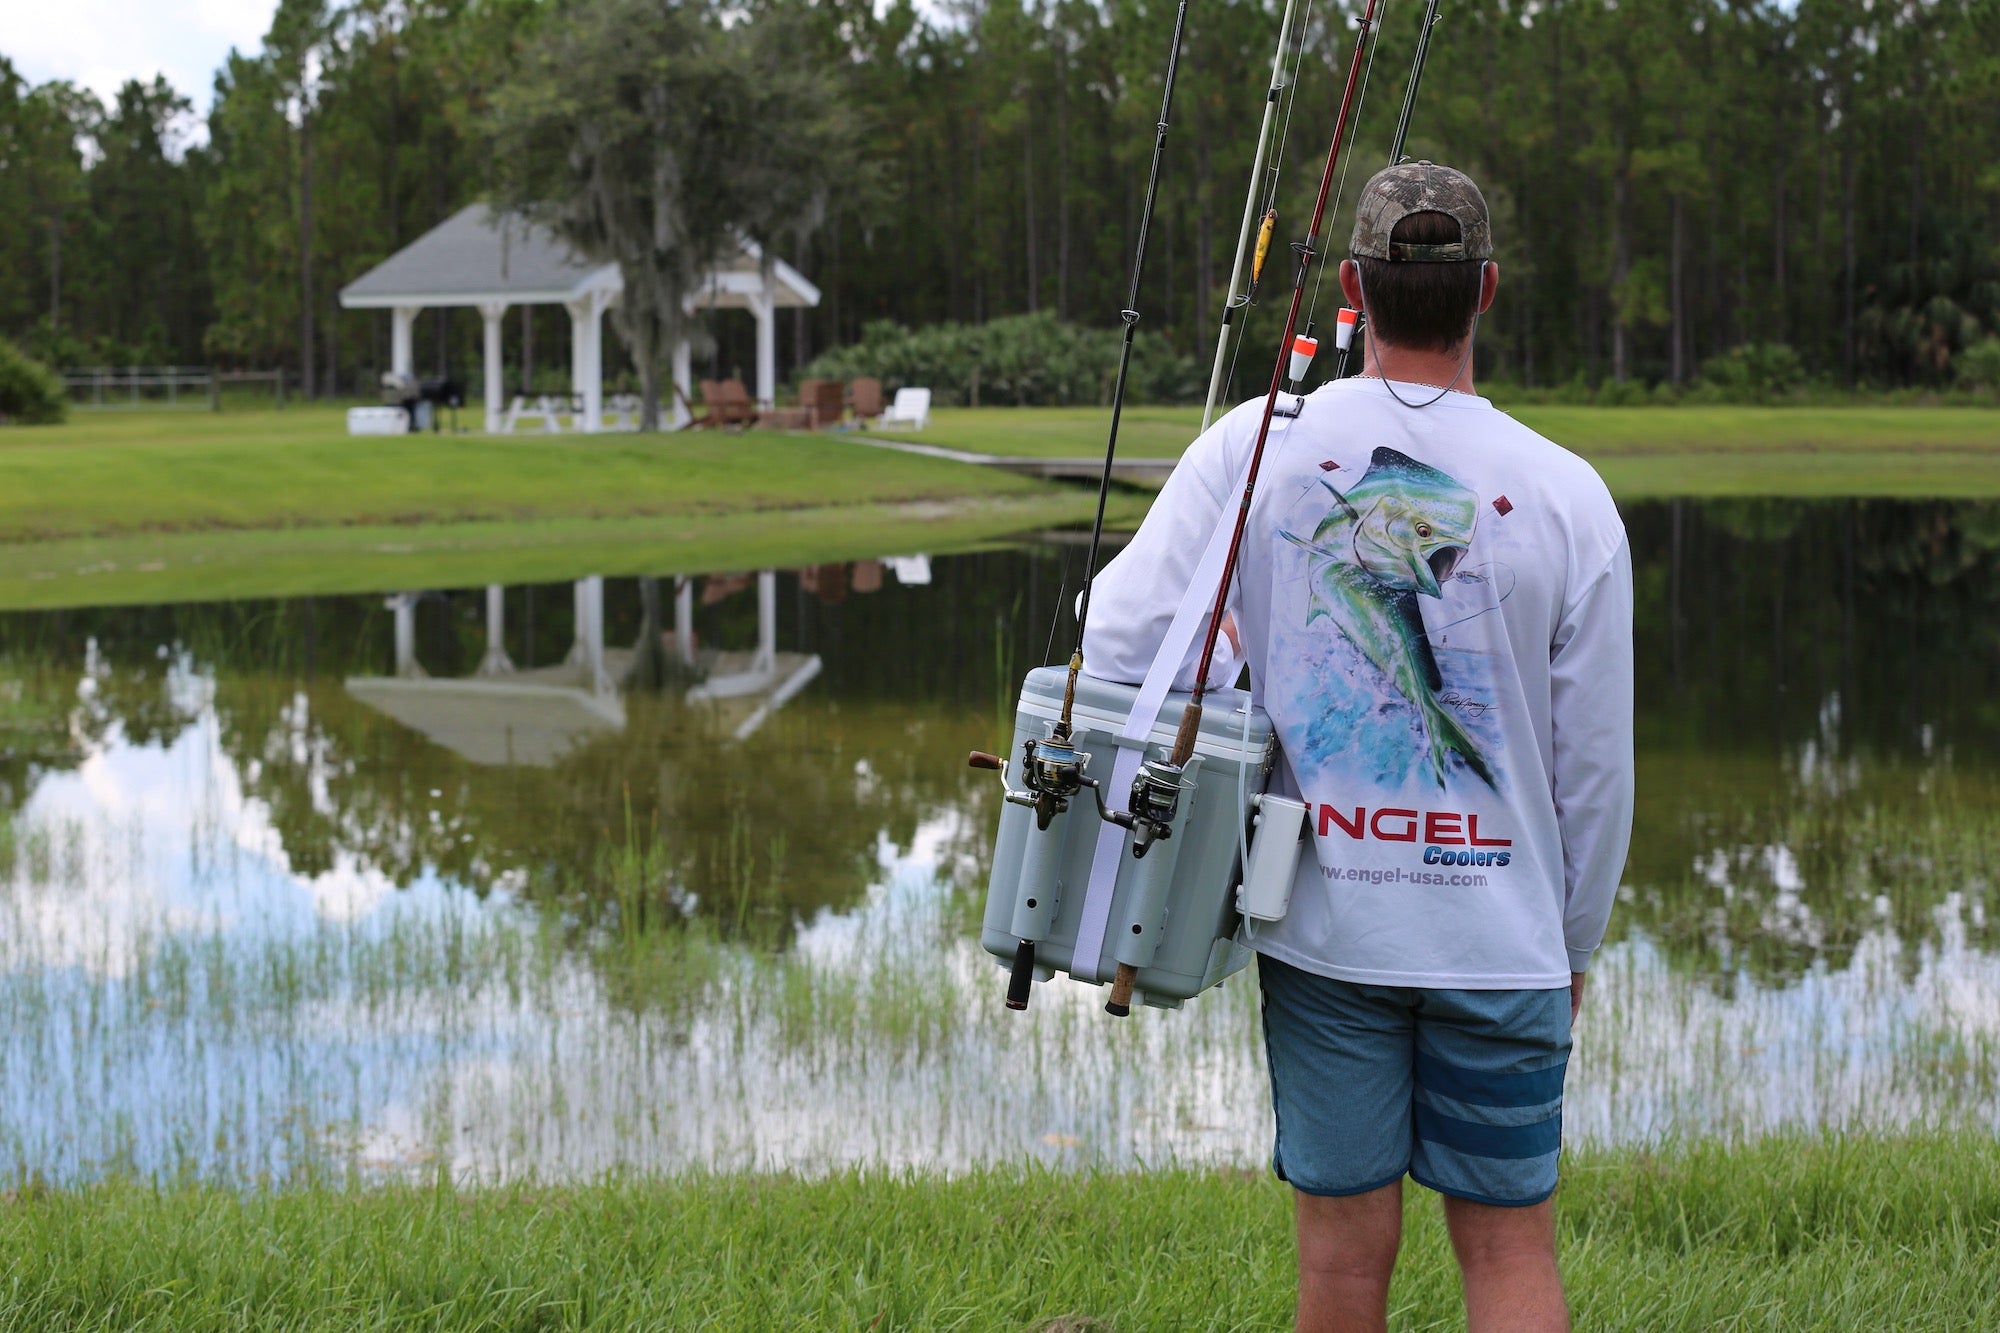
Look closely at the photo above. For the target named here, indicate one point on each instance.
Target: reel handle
(1120, 1003)
(981, 759)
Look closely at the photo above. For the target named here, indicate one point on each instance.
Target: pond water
(290, 889)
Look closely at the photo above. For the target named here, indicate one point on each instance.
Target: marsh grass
(1790, 1233)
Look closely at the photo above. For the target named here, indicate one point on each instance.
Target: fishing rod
(1126, 977)
(1359, 323)
(1053, 768)
(1263, 229)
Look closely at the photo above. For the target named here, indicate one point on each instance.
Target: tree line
(1670, 179)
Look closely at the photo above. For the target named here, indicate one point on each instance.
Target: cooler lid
(1103, 705)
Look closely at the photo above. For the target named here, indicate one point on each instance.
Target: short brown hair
(1423, 306)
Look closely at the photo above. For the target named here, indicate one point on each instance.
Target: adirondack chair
(822, 398)
(912, 409)
(865, 397)
(728, 403)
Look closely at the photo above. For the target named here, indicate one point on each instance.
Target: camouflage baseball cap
(1394, 193)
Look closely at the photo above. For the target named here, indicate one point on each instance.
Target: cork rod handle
(1120, 1003)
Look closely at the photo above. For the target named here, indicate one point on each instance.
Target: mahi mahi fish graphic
(1399, 534)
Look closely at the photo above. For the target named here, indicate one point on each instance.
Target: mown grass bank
(1642, 452)
(114, 474)
(1784, 1234)
(159, 506)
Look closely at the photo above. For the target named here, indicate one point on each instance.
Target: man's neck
(1443, 370)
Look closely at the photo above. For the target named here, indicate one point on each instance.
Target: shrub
(1978, 365)
(30, 393)
(1020, 360)
(1755, 372)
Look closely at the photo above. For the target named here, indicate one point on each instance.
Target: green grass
(1641, 452)
(1784, 1234)
(165, 506)
(108, 475)
(161, 506)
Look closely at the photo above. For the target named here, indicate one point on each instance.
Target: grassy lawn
(158, 506)
(1786, 1234)
(164, 506)
(1641, 452)
(105, 474)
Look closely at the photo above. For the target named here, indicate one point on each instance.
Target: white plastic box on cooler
(1195, 945)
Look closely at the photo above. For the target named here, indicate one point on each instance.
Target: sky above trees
(99, 44)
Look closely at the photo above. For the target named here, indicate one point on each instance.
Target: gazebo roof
(477, 256)
(735, 282)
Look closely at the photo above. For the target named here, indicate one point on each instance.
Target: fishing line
(1269, 200)
(1125, 979)
(1340, 192)
(1396, 142)
(1130, 316)
(1239, 294)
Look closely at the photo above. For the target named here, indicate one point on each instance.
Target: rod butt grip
(1022, 976)
(1120, 1003)
(1190, 731)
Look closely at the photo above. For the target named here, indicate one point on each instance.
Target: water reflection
(545, 880)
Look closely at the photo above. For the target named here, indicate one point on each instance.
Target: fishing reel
(1052, 774)
(1153, 805)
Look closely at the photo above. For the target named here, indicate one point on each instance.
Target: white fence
(162, 386)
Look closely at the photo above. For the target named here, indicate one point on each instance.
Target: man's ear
(1350, 283)
(1489, 284)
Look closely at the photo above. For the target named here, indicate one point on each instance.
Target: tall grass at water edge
(1789, 1233)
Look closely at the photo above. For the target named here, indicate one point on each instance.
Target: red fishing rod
(1184, 740)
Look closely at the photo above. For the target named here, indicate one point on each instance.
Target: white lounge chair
(912, 409)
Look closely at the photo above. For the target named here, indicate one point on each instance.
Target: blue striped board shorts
(1460, 1089)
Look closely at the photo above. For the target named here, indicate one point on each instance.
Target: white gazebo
(744, 282)
(492, 261)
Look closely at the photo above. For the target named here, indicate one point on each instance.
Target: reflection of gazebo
(535, 716)
(745, 688)
(503, 715)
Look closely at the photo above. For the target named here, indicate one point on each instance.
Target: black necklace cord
(1130, 317)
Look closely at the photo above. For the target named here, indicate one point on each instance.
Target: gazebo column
(677, 413)
(496, 662)
(587, 651)
(764, 306)
(684, 619)
(495, 367)
(586, 357)
(402, 339)
(404, 604)
(766, 658)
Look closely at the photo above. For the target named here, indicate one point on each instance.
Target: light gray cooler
(1193, 946)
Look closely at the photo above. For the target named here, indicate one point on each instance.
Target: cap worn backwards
(1394, 193)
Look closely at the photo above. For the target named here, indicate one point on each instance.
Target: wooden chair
(728, 403)
(823, 398)
(865, 396)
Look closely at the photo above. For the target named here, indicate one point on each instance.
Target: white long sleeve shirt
(1436, 609)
